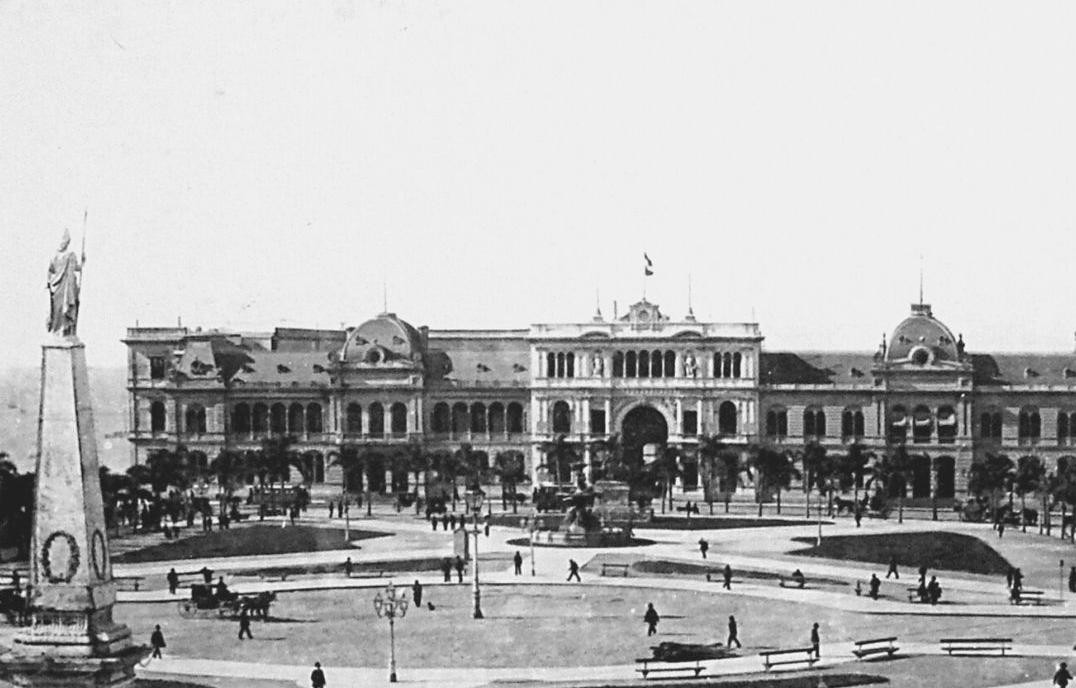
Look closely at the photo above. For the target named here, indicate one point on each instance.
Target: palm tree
(814, 461)
(559, 456)
(1028, 479)
(510, 466)
(892, 470)
(416, 461)
(608, 455)
(991, 476)
(773, 470)
(667, 466)
(853, 466)
(231, 471)
(1063, 490)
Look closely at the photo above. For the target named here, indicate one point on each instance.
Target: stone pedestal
(72, 639)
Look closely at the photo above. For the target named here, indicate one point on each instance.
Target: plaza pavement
(967, 595)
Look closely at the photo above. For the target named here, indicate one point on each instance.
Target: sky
(492, 164)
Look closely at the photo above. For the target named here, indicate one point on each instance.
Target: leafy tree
(991, 477)
(1063, 490)
(510, 466)
(1029, 478)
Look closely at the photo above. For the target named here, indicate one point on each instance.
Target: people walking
(733, 633)
(704, 546)
(156, 640)
(651, 618)
(244, 624)
(573, 570)
(727, 574)
(331, 506)
(416, 594)
(446, 569)
(1072, 579)
(444, 521)
(816, 642)
(1062, 675)
(517, 561)
(875, 584)
(934, 590)
(317, 676)
(459, 568)
(173, 581)
(892, 571)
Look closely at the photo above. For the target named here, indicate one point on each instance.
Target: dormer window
(920, 356)
(1030, 372)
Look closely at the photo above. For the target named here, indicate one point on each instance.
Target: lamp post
(474, 503)
(391, 606)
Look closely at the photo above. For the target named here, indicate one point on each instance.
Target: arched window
(946, 425)
(726, 365)
(776, 422)
(550, 364)
(670, 364)
(1062, 428)
(441, 420)
(990, 425)
(562, 418)
(496, 418)
(354, 418)
(737, 364)
(569, 365)
(656, 364)
(726, 418)
(1030, 425)
(644, 364)
(922, 424)
(261, 418)
(478, 418)
(814, 422)
(945, 468)
(618, 364)
(515, 418)
(629, 364)
(898, 425)
(295, 418)
(852, 423)
(241, 419)
(398, 419)
(461, 418)
(920, 476)
(375, 418)
(194, 420)
(278, 419)
(156, 416)
(560, 364)
(313, 418)
(717, 364)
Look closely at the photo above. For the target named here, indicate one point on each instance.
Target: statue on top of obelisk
(65, 282)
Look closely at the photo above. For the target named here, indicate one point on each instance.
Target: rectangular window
(156, 367)
(691, 423)
(597, 422)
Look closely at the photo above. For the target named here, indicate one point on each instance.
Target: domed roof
(921, 338)
(384, 339)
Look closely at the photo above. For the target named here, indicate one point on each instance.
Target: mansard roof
(1020, 369)
(816, 368)
(478, 359)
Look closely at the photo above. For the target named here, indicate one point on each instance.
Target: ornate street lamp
(391, 606)
(474, 503)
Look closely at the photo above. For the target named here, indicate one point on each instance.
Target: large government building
(647, 377)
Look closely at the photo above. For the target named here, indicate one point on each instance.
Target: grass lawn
(662, 567)
(210, 682)
(721, 523)
(936, 550)
(247, 541)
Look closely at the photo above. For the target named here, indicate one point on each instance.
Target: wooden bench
(976, 645)
(279, 576)
(622, 569)
(806, 652)
(790, 582)
(367, 574)
(694, 665)
(874, 646)
(1036, 596)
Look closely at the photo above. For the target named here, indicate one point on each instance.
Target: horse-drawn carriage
(209, 600)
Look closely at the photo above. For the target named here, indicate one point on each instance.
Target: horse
(258, 605)
(848, 505)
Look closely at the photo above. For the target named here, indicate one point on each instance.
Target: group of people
(1014, 580)
(446, 568)
(928, 592)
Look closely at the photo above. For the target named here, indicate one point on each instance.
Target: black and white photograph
(518, 344)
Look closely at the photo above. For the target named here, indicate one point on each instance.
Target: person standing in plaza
(348, 567)
(416, 593)
(816, 642)
(517, 561)
(173, 581)
(444, 521)
(459, 568)
(244, 624)
(1062, 675)
(727, 574)
(317, 676)
(893, 569)
(651, 618)
(1072, 579)
(733, 633)
(573, 570)
(331, 505)
(704, 546)
(156, 640)
(207, 574)
(446, 569)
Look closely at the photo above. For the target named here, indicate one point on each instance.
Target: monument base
(49, 671)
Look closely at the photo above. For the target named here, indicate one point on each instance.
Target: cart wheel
(186, 609)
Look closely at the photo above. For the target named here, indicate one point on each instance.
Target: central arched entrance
(642, 425)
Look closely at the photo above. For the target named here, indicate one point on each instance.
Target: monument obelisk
(72, 639)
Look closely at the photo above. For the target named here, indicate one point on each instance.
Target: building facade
(648, 379)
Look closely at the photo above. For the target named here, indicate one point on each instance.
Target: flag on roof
(648, 268)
